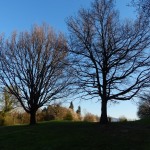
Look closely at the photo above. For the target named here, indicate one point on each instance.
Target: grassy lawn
(76, 136)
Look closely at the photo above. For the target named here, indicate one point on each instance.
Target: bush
(68, 116)
(90, 117)
(24, 118)
(76, 117)
(144, 106)
(144, 111)
(58, 112)
(8, 120)
(123, 119)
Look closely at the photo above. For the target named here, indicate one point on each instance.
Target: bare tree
(142, 6)
(34, 65)
(111, 58)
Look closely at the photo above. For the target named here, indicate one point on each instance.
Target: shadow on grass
(58, 135)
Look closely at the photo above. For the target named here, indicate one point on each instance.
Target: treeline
(53, 112)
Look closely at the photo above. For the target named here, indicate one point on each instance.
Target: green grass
(76, 136)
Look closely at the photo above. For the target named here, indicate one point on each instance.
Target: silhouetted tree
(71, 105)
(34, 65)
(144, 106)
(110, 56)
(78, 110)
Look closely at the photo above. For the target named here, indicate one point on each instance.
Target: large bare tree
(111, 58)
(34, 64)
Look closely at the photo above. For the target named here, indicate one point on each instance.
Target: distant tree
(90, 118)
(57, 112)
(35, 65)
(123, 119)
(71, 105)
(78, 110)
(68, 116)
(144, 106)
(111, 58)
(8, 101)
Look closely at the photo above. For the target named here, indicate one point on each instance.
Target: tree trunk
(32, 117)
(104, 119)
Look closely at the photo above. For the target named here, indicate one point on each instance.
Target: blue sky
(20, 15)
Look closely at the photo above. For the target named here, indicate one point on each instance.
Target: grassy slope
(76, 136)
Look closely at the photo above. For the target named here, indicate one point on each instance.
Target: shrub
(144, 106)
(76, 117)
(90, 117)
(123, 119)
(68, 116)
(144, 111)
(25, 118)
(8, 120)
(58, 112)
